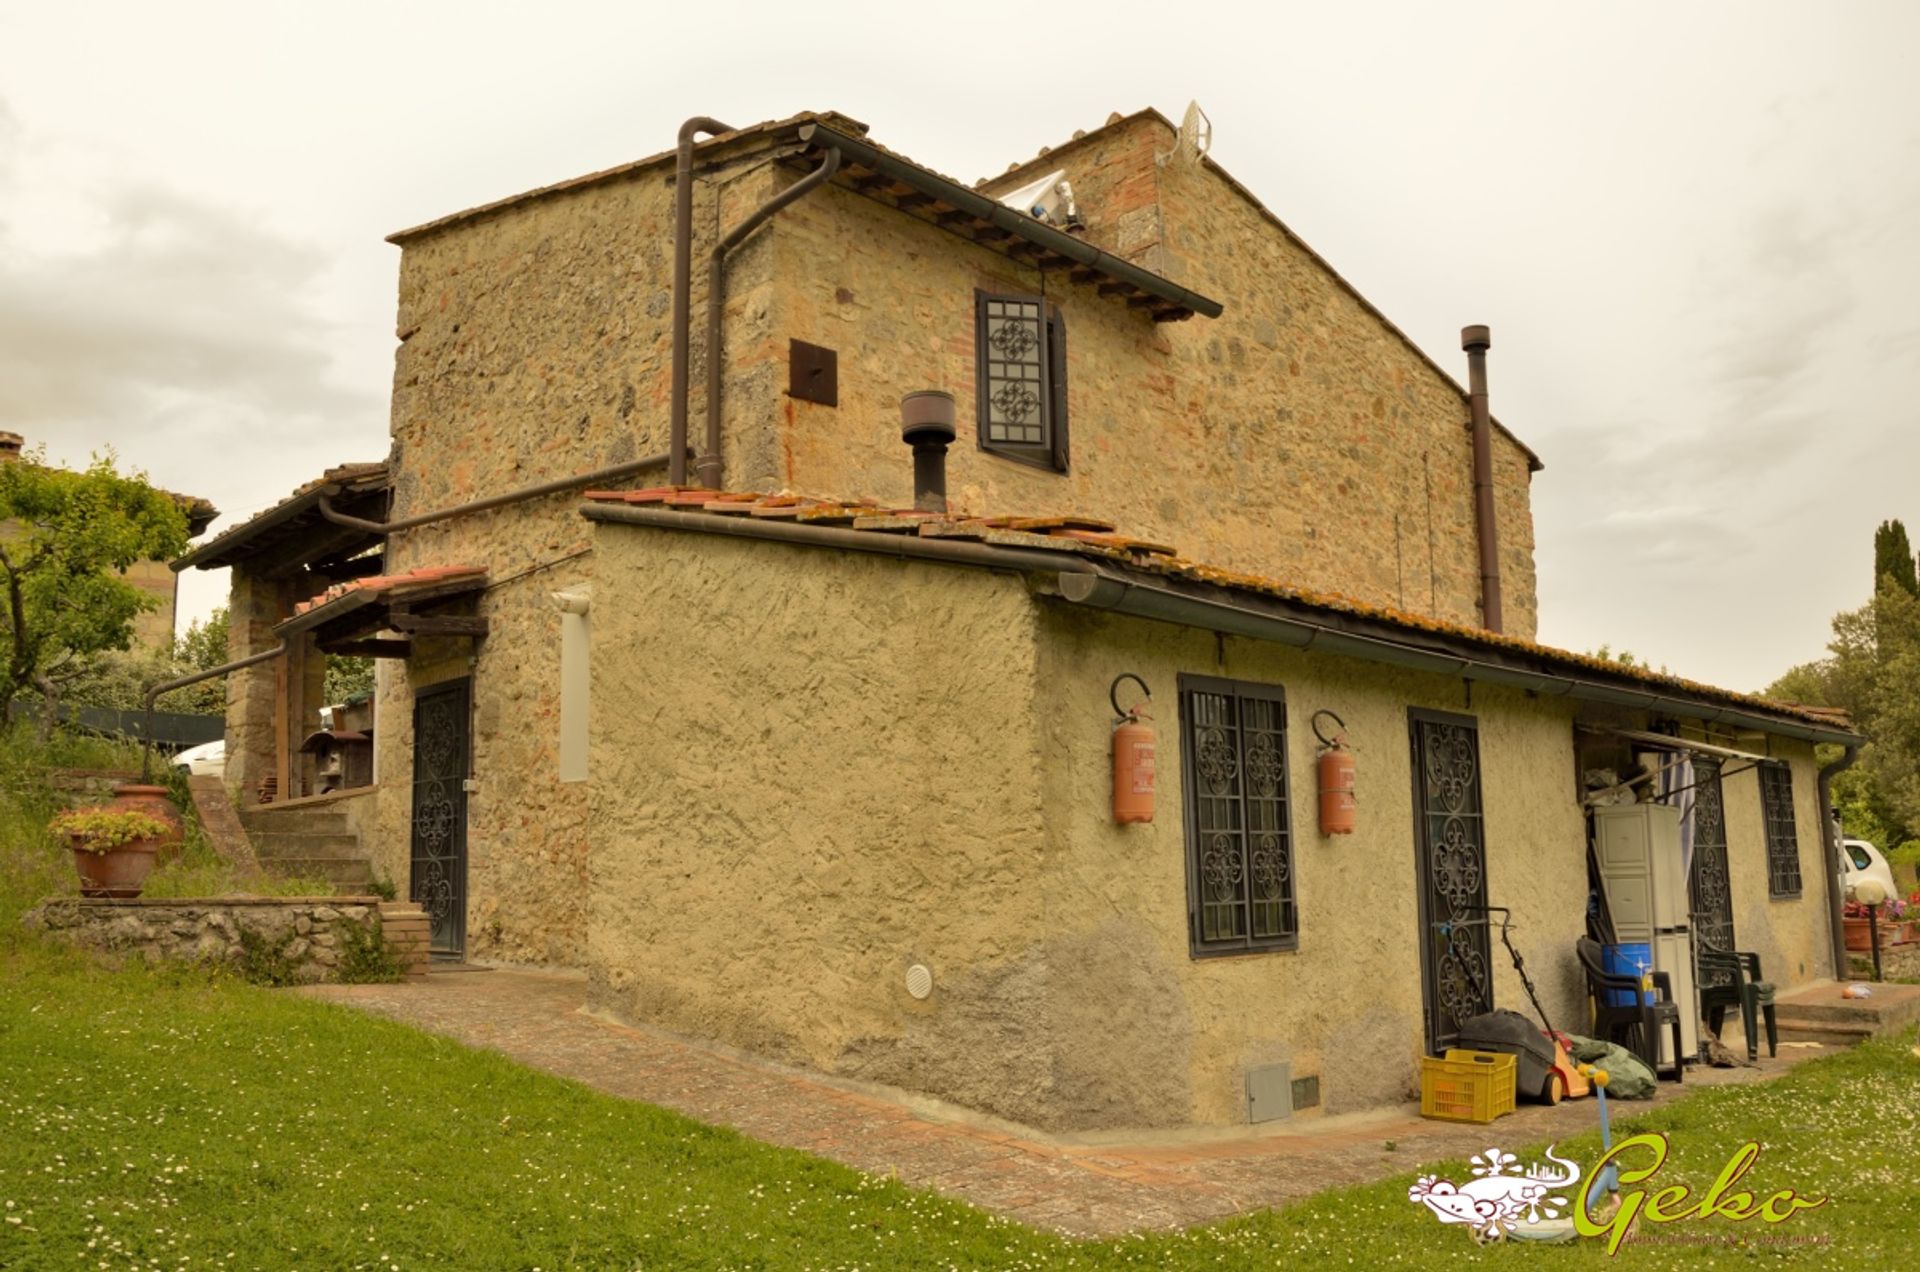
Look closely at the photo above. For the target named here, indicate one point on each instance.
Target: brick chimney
(10, 444)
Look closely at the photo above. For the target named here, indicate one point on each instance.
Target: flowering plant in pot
(113, 849)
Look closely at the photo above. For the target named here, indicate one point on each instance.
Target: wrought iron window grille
(1783, 839)
(1020, 348)
(1238, 814)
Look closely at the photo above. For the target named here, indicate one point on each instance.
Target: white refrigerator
(1638, 850)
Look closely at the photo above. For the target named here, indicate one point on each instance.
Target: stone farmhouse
(695, 676)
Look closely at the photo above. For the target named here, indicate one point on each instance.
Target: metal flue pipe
(683, 287)
(181, 682)
(1476, 341)
(708, 467)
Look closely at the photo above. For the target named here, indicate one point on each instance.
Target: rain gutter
(1087, 582)
(181, 682)
(1142, 600)
(556, 487)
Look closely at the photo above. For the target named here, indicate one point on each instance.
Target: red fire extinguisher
(1132, 755)
(1336, 771)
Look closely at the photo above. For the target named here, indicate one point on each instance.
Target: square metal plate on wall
(1269, 1092)
(813, 373)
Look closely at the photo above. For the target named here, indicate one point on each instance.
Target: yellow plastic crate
(1467, 1086)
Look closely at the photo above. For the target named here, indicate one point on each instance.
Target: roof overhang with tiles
(293, 534)
(1085, 563)
(871, 170)
(925, 195)
(350, 617)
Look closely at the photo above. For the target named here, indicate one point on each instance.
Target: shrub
(263, 961)
(101, 830)
(364, 956)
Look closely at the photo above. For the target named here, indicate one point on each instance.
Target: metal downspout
(558, 486)
(683, 288)
(1830, 836)
(708, 465)
(1476, 341)
(168, 686)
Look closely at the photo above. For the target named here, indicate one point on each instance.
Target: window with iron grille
(1783, 840)
(1233, 752)
(1021, 349)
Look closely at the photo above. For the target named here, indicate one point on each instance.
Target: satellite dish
(1196, 138)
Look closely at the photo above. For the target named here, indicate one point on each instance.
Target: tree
(347, 677)
(1872, 671)
(65, 538)
(204, 645)
(1893, 557)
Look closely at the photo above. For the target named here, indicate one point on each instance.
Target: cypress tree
(1893, 555)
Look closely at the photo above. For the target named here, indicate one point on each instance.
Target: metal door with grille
(1456, 975)
(1709, 886)
(440, 759)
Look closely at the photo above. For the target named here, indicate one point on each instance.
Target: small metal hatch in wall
(1269, 1092)
(813, 373)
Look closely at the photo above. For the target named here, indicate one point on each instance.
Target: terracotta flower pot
(1859, 936)
(119, 873)
(153, 801)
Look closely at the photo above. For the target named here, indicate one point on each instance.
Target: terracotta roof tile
(396, 584)
(1068, 533)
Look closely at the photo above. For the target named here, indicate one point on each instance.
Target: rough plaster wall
(1792, 936)
(1297, 389)
(1346, 1005)
(809, 771)
(535, 344)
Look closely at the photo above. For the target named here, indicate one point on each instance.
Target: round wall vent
(919, 980)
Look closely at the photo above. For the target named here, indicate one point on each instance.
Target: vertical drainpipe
(707, 467)
(1476, 341)
(683, 288)
(1830, 859)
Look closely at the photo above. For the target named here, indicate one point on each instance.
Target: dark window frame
(1785, 881)
(1278, 806)
(1052, 453)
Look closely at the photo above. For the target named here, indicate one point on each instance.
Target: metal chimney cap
(927, 416)
(1476, 337)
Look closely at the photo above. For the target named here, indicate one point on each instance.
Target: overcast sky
(1694, 229)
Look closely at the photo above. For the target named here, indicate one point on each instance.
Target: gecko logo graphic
(1501, 1197)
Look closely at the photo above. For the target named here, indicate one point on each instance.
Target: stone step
(354, 871)
(280, 844)
(294, 821)
(1834, 1034)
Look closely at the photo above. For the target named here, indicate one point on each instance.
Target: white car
(209, 759)
(1863, 861)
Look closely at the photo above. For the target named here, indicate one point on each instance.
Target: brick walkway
(1076, 1188)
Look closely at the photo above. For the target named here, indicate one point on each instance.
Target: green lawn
(179, 1119)
(171, 1119)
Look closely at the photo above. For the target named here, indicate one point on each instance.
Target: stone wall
(77, 787)
(306, 930)
(534, 344)
(910, 763)
(258, 730)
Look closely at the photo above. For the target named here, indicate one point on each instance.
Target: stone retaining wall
(77, 787)
(305, 930)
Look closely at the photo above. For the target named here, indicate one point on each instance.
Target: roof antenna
(1196, 138)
